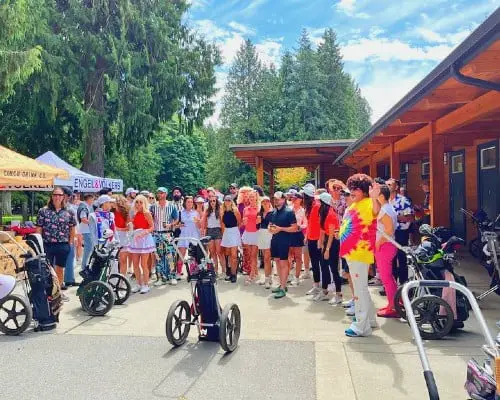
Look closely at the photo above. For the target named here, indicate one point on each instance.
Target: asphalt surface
(41, 366)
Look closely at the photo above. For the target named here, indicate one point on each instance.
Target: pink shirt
(300, 216)
(250, 213)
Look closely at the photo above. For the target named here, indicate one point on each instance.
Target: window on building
(457, 164)
(489, 157)
(426, 169)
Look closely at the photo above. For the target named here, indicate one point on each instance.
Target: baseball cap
(297, 195)
(326, 198)
(162, 189)
(105, 199)
(228, 197)
(129, 191)
(265, 198)
(309, 190)
(199, 200)
(67, 191)
(279, 195)
(291, 192)
(233, 185)
(144, 192)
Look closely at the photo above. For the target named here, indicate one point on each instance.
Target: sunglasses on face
(151, 198)
(57, 195)
(336, 188)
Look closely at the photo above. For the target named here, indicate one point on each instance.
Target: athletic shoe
(290, 278)
(159, 282)
(233, 278)
(268, 283)
(375, 282)
(173, 281)
(313, 291)
(227, 278)
(305, 275)
(321, 296)
(178, 276)
(336, 300)
(387, 313)
(64, 298)
(295, 281)
(350, 333)
(373, 324)
(145, 289)
(277, 289)
(262, 281)
(136, 289)
(280, 293)
(347, 304)
(350, 312)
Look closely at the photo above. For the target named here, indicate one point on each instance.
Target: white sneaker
(336, 300)
(178, 277)
(347, 304)
(290, 278)
(313, 291)
(64, 297)
(173, 281)
(159, 282)
(295, 281)
(375, 282)
(321, 296)
(268, 283)
(350, 312)
(136, 289)
(305, 275)
(145, 289)
(262, 281)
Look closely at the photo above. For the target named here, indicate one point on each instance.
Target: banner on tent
(95, 184)
(27, 188)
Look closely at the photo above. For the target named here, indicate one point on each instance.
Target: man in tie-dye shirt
(357, 246)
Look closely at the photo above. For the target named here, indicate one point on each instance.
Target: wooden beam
(259, 166)
(398, 130)
(395, 163)
(438, 195)
(423, 117)
(481, 107)
(458, 95)
(373, 169)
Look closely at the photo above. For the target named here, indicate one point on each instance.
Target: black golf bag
(208, 305)
(97, 262)
(45, 295)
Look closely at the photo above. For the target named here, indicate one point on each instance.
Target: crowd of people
(327, 236)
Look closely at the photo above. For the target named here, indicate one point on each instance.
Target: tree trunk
(5, 203)
(94, 147)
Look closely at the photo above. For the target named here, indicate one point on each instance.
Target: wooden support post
(438, 196)
(259, 166)
(395, 163)
(271, 183)
(373, 169)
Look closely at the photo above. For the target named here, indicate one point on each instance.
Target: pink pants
(384, 256)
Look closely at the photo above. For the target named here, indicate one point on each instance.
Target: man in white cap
(130, 193)
(102, 218)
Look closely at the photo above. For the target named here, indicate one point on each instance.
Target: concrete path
(289, 349)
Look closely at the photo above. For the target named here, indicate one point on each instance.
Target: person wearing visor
(282, 224)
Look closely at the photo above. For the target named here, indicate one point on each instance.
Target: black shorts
(297, 239)
(214, 233)
(345, 266)
(279, 249)
(57, 253)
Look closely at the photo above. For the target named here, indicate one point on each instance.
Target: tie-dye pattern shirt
(358, 231)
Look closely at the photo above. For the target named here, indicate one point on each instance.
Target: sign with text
(27, 188)
(86, 184)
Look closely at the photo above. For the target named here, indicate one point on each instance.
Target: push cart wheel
(434, 316)
(230, 327)
(15, 314)
(121, 287)
(178, 323)
(398, 301)
(97, 298)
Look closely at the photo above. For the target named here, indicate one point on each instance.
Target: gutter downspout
(468, 80)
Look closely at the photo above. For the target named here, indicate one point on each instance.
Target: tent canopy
(77, 179)
(19, 170)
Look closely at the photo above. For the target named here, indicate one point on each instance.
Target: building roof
(439, 94)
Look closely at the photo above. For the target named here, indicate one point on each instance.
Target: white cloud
(209, 29)
(252, 7)
(434, 37)
(230, 46)
(348, 7)
(269, 52)
(197, 4)
(243, 29)
(385, 49)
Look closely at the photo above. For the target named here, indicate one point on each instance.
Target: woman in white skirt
(264, 240)
(190, 226)
(122, 212)
(142, 244)
(231, 239)
(250, 235)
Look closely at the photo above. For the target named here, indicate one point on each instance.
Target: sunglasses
(57, 195)
(151, 198)
(336, 188)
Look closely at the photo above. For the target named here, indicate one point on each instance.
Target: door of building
(457, 192)
(489, 177)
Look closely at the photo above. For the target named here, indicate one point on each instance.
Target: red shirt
(120, 220)
(250, 213)
(313, 223)
(331, 221)
(140, 221)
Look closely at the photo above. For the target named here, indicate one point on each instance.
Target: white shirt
(386, 209)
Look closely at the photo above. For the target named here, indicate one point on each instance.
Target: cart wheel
(431, 323)
(97, 298)
(398, 301)
(15, 314)
(230, 327)
(178, 323)
(121, 287)
(476, 248)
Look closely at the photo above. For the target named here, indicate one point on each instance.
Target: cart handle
(190, 239)
(428, 375)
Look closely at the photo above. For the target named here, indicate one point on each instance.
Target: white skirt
(264, 239)
(123, 238)
(250, 238)
(231, 237)
(142, 245)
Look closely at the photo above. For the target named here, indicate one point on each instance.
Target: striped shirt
(163, 215)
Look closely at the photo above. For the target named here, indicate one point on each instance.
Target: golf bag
(45, 294)
(97, 262)
(207, 303)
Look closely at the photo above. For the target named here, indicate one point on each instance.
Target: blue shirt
(402, 206)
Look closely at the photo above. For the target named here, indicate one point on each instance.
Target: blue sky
(388, 46)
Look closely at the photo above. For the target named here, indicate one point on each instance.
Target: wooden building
(445, 131)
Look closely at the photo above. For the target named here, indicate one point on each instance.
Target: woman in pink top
(297, 239)
(250, 235)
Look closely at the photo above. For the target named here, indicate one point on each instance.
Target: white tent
(79, 180)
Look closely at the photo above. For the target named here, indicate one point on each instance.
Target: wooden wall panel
(471, 185)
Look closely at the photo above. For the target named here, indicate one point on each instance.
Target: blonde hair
(257, 198)
(122, 205)
(242, 190)
(144, 201)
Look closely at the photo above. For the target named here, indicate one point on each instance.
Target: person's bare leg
(137, 268)
(213, 255)
(60, 274)
(79, 246)
(307, 259)
(233, 260)
(124, 255)
(219, 252)
(254, 254)
(267, 263)
(298, 260)
(283, 272)
(145, 261)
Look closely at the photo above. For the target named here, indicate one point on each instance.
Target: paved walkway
(289, 349)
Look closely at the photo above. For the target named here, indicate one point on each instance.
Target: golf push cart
(214, 323)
